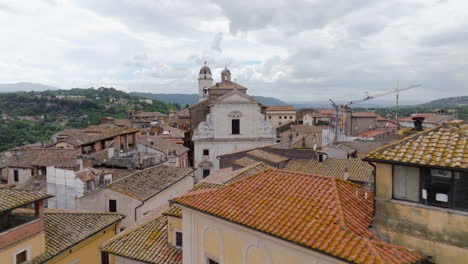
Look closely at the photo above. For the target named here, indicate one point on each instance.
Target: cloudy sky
(290, 49)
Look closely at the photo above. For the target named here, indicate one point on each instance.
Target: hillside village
(231, 180)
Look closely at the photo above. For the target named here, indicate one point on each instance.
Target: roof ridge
(338, 204)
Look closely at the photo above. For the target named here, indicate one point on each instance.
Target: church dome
(226, 75)
(205, 70)
(226, 71)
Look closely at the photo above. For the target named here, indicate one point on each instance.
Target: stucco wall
(23, 175)
(274, 117)
(162, 199)
(34, 244)
(438, 232)
(174, 224)
(98, 201)
(122, 260)
(230, 243)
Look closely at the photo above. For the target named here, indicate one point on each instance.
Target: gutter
(415, 164)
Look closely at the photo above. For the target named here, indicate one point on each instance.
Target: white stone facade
(214, 135)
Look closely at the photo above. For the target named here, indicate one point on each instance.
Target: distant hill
(24, 87)
(31, 117)
(454, 102)
(190, 99)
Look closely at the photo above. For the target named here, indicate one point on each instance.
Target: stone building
(225, 121)
(280, 114)
(422, 192)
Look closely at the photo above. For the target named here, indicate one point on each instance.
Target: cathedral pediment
(236, 96)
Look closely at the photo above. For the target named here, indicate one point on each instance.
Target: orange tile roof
(266, 156)
(146, 243)
(280, 108)
(359, 171)
(317, 212)
(443, 145)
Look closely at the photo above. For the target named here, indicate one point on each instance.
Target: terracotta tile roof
(266, 156)
(373, 133)
(161, 144)
(245, 162)
(280, 108)
(359, 170)
(327, 112)
(227, 85)
(150, 114)
(317, 212)
(11, 198)
(318, 115)
(146, 243)
(61, 158)
(146, 183)
(444, 145)
(65, 229)
(174, 210)
(248, 171)
(92, 134)
(173, 131)
(206, 185)
(429, 118)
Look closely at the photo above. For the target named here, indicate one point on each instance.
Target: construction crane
(340, 109)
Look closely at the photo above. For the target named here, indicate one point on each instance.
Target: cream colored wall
(35, 244)
(174, 224)
(161, 200)
(122, 260)
(87, 251)
(275, 120)
(230, 243)
(437, 232)
(23, 176)
(99, 202)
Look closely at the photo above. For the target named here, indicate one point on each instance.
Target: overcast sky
(290, 49)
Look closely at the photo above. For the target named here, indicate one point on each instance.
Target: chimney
(418, 121)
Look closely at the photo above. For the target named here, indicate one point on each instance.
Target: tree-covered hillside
(30, 117)
(190, 99)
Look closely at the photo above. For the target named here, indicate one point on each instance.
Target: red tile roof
(316, 212)
(373, 133)
(280, 108)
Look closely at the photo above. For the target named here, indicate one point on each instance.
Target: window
(269, 117)
(434, 187)
(15, 176)
(460, 197)
(285, 117)
(279, 117)
(437, 187)
(112, 206)
(206, 152)
(104, 258)
(178, 239)
(206, 173)
(406, 183)
(235, 126)
(21, 257)
(290, 117)
(211, 261)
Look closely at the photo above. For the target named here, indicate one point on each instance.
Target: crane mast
(339, 110)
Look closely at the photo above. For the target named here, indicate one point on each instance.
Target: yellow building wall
(87, 252)
(35, 244)
(174, 223)
(231, 242)
(437, 232)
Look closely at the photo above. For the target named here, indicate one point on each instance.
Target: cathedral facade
(228, 121)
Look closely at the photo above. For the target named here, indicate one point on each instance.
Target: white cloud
(293, 50)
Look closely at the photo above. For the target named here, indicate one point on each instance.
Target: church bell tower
(205, 81)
